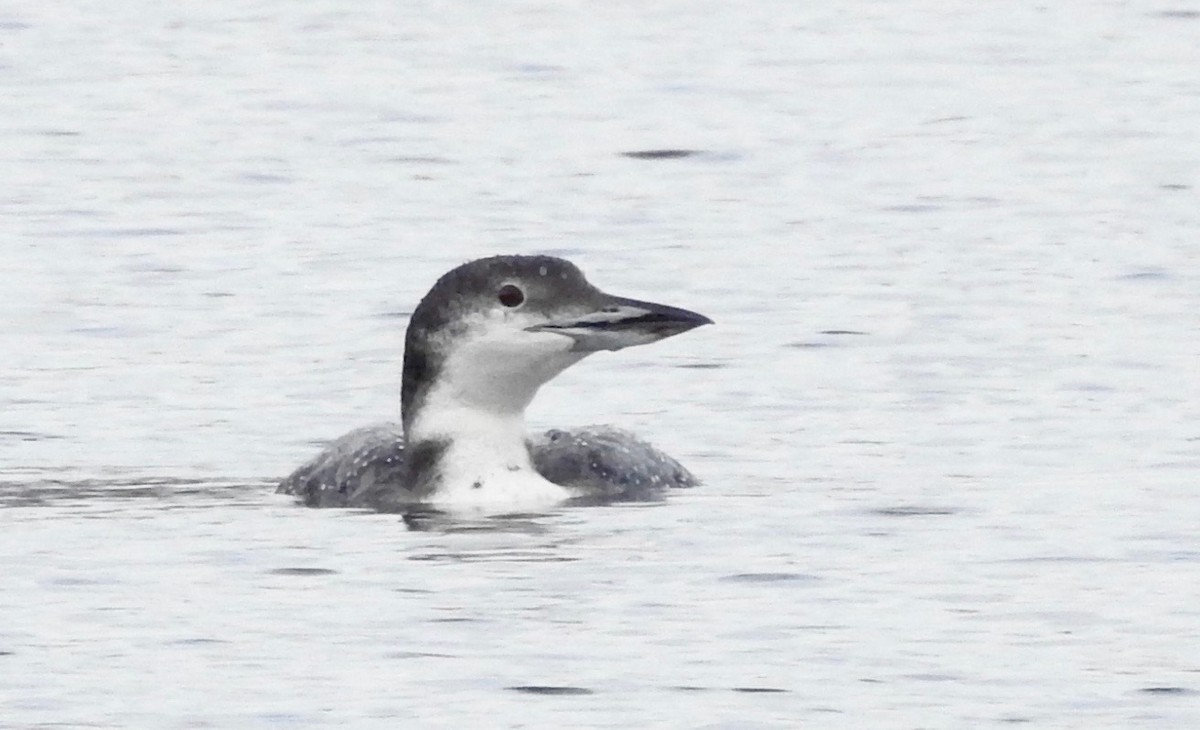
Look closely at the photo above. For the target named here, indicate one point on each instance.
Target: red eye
(510, 296)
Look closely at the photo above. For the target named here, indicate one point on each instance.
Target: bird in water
(478, 346)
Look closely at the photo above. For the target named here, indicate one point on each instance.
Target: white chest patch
(486, 463)
(497, 490)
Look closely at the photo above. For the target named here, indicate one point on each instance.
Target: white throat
(477, 409)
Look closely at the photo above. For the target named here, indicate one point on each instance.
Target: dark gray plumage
(352, 471)
(607, 464)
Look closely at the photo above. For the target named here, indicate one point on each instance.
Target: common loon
(479, 345)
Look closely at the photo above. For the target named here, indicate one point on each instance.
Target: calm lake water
(948, 420)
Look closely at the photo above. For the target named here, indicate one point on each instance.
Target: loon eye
(510, 296)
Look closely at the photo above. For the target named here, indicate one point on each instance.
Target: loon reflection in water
(479, 345)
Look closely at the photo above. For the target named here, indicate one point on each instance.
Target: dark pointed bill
(619, 323)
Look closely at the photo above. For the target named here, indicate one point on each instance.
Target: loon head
(489, 334)
(492, 331)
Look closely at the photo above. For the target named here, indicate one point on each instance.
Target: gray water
(948, 420)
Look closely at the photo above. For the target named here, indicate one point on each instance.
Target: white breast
(499, 491)
(486, 464)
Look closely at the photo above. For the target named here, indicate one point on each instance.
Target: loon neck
(463, 410)
(462, 454)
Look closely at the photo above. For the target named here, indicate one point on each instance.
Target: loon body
(479, 345)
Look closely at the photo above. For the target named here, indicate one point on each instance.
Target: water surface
(947, 420)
